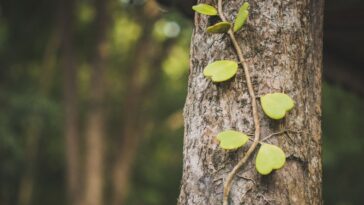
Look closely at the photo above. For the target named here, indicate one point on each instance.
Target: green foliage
(342, 126)
(241, 17)
(221, 27)
(220, 71)
(205, 9)
(232, 139)
(269, 157)
(276, 105)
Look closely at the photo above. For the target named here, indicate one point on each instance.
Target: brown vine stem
(230, 177)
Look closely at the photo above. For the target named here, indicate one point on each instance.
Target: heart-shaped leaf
(220, 71)
(241, 17)
(269, 157)
(275, 105)
(221, 27)
(205, 9)
(232, 139)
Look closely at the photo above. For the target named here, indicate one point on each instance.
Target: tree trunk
(95, 125)
(151, 55)
(150, 61)
(283, 40)
(131, 117)
(35, 123)
(71, 123)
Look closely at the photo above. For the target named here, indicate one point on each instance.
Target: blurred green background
(135, 55)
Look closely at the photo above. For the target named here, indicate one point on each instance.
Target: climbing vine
(274, 105)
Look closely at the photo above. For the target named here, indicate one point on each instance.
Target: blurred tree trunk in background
(33, 133)
(71, 130)
(147, 58)
(283, 40)
(131, 116)
(95, 124)
(35, 123)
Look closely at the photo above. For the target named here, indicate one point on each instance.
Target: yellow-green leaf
(221, 27)
(241, 17)
(220, 71)
(232, 139)
(276, 105)
(205, 9)
(269, 157)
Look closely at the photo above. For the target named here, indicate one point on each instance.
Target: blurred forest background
(92, 93)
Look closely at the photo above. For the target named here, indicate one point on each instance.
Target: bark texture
(283, 40)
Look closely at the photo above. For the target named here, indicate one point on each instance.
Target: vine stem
(230, 177)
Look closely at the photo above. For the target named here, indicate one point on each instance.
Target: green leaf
(241, 17)
(232, 139)
(220, 71)
(269, 157)
(221, 27)
(205, 9)
(276, 105)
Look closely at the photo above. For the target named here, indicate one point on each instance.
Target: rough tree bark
(283, 40)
